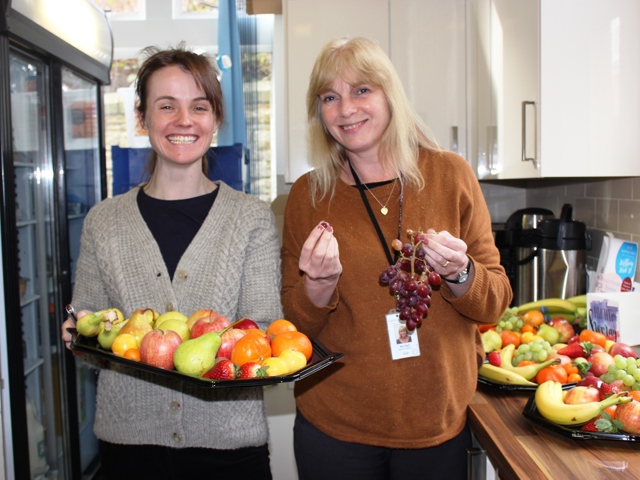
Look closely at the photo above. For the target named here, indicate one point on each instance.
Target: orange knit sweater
(367, 397)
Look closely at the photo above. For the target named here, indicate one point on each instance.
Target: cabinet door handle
(476, 463)
(492, 134)
(534, 159)
(454, 139)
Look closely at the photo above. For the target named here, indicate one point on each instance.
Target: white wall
(160, 29)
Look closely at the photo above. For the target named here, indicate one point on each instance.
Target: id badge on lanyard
(403, 342)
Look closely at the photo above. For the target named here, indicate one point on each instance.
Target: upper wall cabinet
(425, 40)
(555, 88)
(309, 25)
(428, 50)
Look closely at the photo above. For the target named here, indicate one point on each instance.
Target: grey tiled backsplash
(604, 205)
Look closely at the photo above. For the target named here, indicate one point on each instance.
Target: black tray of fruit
(531, 413)
(322, 357)
(507, 388)
(516, 388)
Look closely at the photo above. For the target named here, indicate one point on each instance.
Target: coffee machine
(544, 256)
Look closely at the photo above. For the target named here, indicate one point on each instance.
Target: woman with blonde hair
(376, 175)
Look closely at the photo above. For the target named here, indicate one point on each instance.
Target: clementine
(132, 354)
(250, 348)
(279, 326)
(508, 337)
(296, 341)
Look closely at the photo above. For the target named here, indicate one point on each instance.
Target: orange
(132, 354)
(553, 372)
(527, 327)
(255, 331)
(250, 348)
(596, 338)
(635, 394)
(296, 341)
(534, 317)
(508, 337)
(279, 326)
(122, 343)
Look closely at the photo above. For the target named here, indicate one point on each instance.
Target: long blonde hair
(362, 61)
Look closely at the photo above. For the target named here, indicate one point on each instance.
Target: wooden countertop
(519, 449)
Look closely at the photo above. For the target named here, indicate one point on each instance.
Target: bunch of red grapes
(411, 280)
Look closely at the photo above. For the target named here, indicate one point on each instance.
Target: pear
(196, 356)
(137, 325)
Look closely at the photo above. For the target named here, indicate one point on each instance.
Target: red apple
(600, 362)
(209, 324)
(582, 394)
(623, 349)
(229, 339)
(245, 324)
(589, 380)
(573, 339)
(563, 327)
(202, 313)
(619, 384)
(596, 348)
(157, 348)
(564, 359)
(629, 415)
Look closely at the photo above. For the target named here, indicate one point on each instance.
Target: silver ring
(446, 264)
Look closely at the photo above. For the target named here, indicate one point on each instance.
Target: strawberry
(252, 370)
(224, 369)
(590, 426)
(575, 350)
(494, 359)
(607, 390)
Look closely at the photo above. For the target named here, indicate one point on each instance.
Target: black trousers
(321, 457)
(138, 462)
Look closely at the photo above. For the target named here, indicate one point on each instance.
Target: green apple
(172, 315)
(178, 326)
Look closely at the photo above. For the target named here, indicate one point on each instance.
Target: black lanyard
(374, 221)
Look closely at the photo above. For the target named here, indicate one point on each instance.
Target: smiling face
(178, 116)
(355, 116)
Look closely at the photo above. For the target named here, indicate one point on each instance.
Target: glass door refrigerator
(52, 160)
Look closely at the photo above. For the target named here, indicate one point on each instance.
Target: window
(123, 9)
(195, 9)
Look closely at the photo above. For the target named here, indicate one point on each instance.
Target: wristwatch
(462, 276)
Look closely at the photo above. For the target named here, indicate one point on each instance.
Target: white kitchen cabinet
(556, 88)
(309, 25)
(425, 40)
(428, 50)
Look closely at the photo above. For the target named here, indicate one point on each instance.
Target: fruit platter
(205, 348)
(586, 412)
(546, 340)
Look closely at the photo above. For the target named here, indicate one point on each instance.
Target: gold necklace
(383, 208)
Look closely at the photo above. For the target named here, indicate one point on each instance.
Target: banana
(551, 304)
(579, 300)
(90, 325)
(570, 317)
(550, 404)
(529, 371)
(503, 376)
(112, 315)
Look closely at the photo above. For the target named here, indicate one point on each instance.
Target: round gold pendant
(384, 210)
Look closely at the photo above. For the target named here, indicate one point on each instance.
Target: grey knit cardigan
(232, 266)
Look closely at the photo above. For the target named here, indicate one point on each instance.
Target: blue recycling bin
(225, 163)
